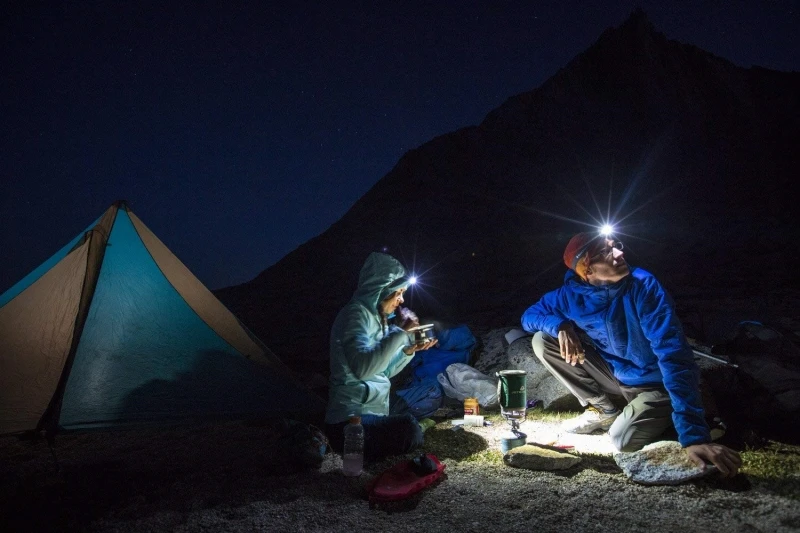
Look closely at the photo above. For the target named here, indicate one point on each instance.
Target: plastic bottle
(353, 453)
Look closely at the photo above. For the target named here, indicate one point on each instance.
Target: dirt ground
(240, 477)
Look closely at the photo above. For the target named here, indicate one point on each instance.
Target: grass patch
(777, 466)
(774, 468)
(486, 458)
(537, 413)
(534, 413)
(459, 445)
(444, 441)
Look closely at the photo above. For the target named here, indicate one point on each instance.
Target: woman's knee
(392, 435)
(403, 433)
(412, 431)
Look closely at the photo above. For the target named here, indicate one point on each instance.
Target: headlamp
(583, 249)
(606, 232)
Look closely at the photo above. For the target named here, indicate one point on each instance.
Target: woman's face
(390, 304)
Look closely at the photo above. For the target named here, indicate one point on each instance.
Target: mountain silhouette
(692, 156)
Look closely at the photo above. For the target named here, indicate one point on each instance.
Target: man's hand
(726, 460)
(570, 345)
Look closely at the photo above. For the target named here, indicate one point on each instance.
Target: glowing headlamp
(606, 232)
(412, 280)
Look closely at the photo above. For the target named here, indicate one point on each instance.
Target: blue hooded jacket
(365, 353)
(633, 326)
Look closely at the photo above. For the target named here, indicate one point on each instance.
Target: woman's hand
(408, 318)
(410, 350)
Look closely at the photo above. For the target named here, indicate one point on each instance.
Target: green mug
(512, 393)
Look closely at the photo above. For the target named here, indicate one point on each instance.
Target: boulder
(533, 457)
(492, 354)
(660, 463)
(539, 383)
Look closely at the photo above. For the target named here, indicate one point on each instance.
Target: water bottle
(353, 453)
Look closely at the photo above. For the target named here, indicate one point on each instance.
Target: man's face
(390, 304)
(607, 265)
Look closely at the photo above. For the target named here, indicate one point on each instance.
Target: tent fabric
(118, 332)
(35, 336)
(45, 267)
(201, 300)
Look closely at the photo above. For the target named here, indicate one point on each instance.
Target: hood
(380, 276)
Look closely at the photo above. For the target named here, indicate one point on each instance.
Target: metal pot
(423, 334)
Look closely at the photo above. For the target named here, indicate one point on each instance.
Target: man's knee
(622, 436)
(625, 435)
(642, 421)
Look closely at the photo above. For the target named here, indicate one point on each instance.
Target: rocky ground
(239, 476)
(235, 477)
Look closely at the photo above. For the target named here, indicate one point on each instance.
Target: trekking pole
(717, 359)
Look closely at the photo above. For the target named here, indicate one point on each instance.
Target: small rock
(534, 457)
(660, 463)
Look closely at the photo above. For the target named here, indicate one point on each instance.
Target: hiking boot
(591, 420)
(718, 428)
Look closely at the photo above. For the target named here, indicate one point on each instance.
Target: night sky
(239, 130)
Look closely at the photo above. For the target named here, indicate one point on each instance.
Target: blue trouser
(383, 435)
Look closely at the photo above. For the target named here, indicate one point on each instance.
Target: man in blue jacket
(633, 346)
(367, 349)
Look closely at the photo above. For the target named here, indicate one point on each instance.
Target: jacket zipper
(608, 313)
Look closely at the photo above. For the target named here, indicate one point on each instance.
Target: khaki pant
(645, 417)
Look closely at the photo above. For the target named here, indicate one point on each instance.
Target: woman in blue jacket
(637, 350)
(366, 351)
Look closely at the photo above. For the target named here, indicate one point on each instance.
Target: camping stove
(513, 438)
(511, 392)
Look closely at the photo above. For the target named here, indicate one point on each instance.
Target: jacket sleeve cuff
(552, 324)
(694, 437)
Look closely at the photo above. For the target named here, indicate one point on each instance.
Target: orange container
(471, 406)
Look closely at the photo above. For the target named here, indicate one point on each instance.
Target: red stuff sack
(405, 479)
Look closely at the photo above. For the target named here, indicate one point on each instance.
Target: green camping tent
(115, 331)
